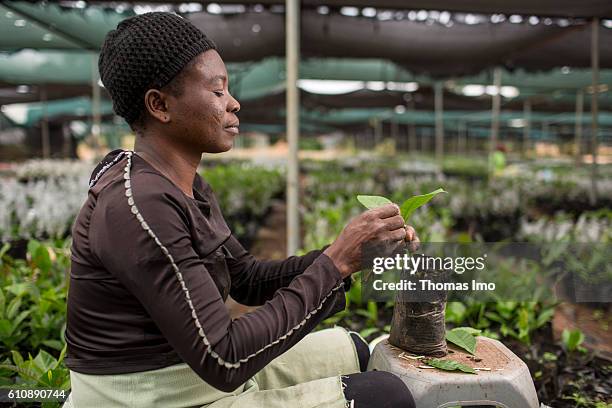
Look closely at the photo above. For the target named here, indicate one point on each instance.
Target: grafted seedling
(417, 327)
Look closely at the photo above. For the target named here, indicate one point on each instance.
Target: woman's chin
(221, 147)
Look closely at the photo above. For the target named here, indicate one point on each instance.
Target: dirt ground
(270, 243)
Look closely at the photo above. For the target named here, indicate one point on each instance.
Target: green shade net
(69, 108)
(48, 26)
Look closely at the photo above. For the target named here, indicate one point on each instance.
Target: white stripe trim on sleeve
(179, 276)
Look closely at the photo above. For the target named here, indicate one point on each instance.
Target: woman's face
(203, 115)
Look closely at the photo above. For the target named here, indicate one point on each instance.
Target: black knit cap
(145, 52)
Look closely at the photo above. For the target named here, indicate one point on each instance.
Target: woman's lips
(233, 129)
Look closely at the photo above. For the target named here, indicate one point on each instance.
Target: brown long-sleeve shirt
(151, 269)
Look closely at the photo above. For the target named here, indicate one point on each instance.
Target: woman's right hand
(379, 224)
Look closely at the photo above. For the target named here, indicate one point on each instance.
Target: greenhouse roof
(432, 46)
(61, 54)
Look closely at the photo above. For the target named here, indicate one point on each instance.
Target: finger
(386, 211)
(393, 223)
(410, 233)
(415, 244)
(395, 235)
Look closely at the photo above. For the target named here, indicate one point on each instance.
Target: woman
(153, 259)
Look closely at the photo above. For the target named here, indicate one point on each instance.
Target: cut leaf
(449, 365)
(370, 201)
(471, 330)
(462, 338)
(411, 204)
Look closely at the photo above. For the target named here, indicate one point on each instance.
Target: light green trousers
(306, 376)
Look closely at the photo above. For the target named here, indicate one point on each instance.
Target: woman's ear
(156, 104)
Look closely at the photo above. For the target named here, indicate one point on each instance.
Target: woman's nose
(234, 105)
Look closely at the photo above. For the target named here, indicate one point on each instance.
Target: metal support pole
(95, 103)
(292, 52)
(66, 139)
(394, 132)
(438, 102)
(412, 137)
(495, 109)
(469, 145)
(594, 106)
(378, 131)
(462, 138)
(44, 124)
(527, 126)
(578, 126)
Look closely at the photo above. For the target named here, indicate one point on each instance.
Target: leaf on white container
(450, 365)
(462, 338)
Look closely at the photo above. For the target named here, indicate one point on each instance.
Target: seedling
(429, 333)
(572, 340)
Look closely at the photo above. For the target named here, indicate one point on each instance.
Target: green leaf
(370, 201)
(449, 365)
(5, 328)
(33, 246)
(2, 303)
(373, 311)
(62, 354)
(21, 289)
(411, 204)
(463, 339)
(24, 372)
(17, 321)
(367, 332)
(455, 312)
(4, 250)
(363, 312)
(17, 359)
(545, 316)
(494, 316)
(45, 361)
(471, 330)
(13, 308)
(54, 344)
(42, 259)
(572, 339)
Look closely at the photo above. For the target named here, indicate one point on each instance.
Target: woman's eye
(218, 93)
